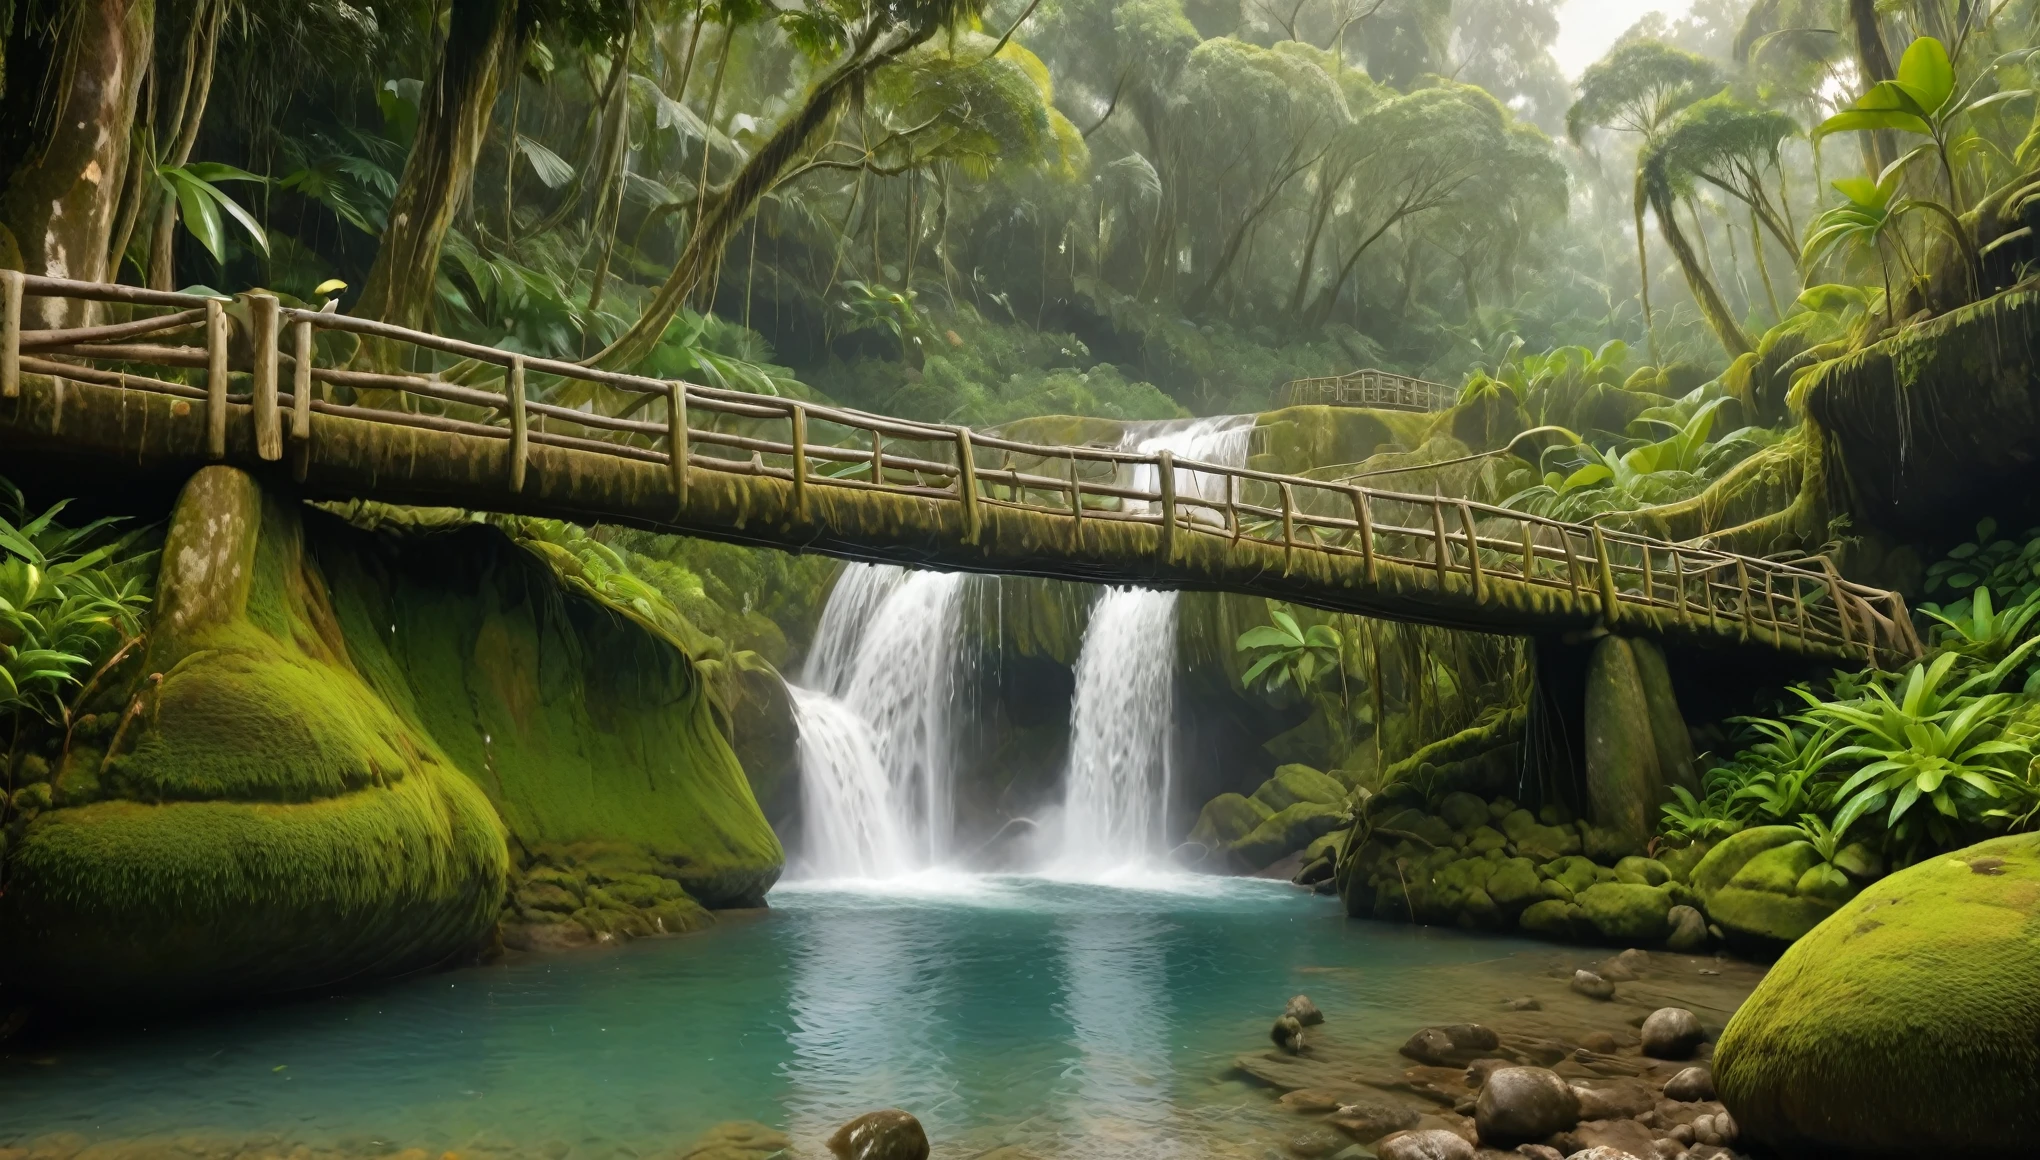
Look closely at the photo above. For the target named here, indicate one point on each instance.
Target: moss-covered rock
(1763, 906)
(1299, 783)
(1226, 819)
(1514, 884)
(347, 727)
(1554, 919)
(1462, 811)
(1642, 871)
(1287, 832)
(1727, 858)
(1623, 912)
(1624, 783)
(1908, 1024)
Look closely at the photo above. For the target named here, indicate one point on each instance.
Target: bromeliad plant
(66, 608)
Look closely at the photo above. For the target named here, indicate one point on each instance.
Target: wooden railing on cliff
(257, 363)
(1384, 390)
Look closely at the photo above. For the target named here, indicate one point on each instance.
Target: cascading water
(1122, 717)
(873, 707)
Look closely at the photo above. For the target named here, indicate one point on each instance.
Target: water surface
(1076, 1019)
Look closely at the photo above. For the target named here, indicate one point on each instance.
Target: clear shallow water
(1080, 1020)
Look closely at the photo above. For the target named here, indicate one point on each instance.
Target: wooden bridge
(179, 381)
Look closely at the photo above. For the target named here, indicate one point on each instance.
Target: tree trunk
(65, 135)
(453, 119)
(1643, 272)
(1873, 60)
(201, 47)
(1712, 307)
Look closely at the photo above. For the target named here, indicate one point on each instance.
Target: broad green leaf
(1260, 666)
(1926, 73)
(552, 169)
(1862, 120)
(201, 215)
(1264, 637)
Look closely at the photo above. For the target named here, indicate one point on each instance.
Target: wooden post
(1365, 514)
(1610, 609)
(1749, 612)
(878, 457)
(215, 378)
(1232, 505)
(1649, 580)
(1288, 525)
(302, 354)
(264, 323)
(1572, 560)
(1771, 610)
(11, 293)
(1707, 597)
(1165, 482)
(1529, 551)
(798, 417)
(1679, 582)
(966, 482)
(520, 422)
(1472, 547)
(1076, 502)
(1438, 540)
(678, 446)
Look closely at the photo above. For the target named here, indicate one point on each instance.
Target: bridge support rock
(1612, 733)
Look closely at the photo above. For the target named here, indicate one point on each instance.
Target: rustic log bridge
(474, 432)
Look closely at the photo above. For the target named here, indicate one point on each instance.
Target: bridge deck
(800, 476)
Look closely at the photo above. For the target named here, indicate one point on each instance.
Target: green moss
(1627, 913)
(1226, 819)
(1299, 783)
(1908, 1023)
(1514, 884)
(1288, 831)
(1726, 859)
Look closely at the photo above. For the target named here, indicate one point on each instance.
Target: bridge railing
(256, 361)
(1385, 390)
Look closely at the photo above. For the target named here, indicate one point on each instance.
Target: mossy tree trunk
(73, 72)
(453, 118)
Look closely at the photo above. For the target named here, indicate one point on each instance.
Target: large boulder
(1776, 897)
(1299, 783)
(1226, 819)
(1521, 1105)
(1287, 832)
(1623, 912)
(1624, 784)
(1908, 1024)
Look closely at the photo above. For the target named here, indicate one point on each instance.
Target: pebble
(1593, 986)
(1314, 1143)
(1287, 1034)
(1540, 1152)
(1626, 967)
(1518, 1105)
(1304, 1011)
(1718, 1129)
(1689, 930)
(889, 1134)
(1672, 1033)
(1371, 1121)
(1433, 1144)
(1523, 1004)
(1691, 1086)
(1452, 1045)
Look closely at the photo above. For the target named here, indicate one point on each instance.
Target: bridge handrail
(1460, 542)
(1370, 387)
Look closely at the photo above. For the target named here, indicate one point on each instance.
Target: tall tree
(69, 84)
(1665, 183)
(1637, 89)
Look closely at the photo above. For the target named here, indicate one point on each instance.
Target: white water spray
(1122, 719)
(874, 704)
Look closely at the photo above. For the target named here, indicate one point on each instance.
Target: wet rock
(1719, 1129)
(1620, 1136)
(736, 1140)
(1615, 1099)
(1539, 1152)
(1315, 1101)
(1525, 1003)
(1691, 1086)
(1304, 1011)
(1689, 930)
(1593, 986)
(1287, 1034)
(1454, 1045)
(1601, 1043)
(1313, 1143)
(1672, 1033)
(1628, 966)
(1605, 1153)
(890, 1134)
(1519, 1105)
(1287, 832)
(1314, 872)
(1226, 819)
(1433, 1144)
(1369, 1121)
(1299, 783)
(1479, 1070)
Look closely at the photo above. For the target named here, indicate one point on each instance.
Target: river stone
(731, 1140)
(1431, 1144)
(1640, 871)
(1593, 986)
(1694, 1085)
(1368, 1121)
(1624, 782)
(1668, 731)
(1907, 1024)
(889, 1134)
(1452, 1045)
(1628, 966)
(1462, 811)
(1553, 918)
(1672, 1033)
(1603, 1152)
(1728, 857)
(1304, 1011)
(1762, 905)
(1518, 1105)
(1689, 930)
(1287, 1034)
(1514, 884)
(1622, 1137)
(1628, 913)
(1226, 819)
(1615, 1099)
(1312, 1143)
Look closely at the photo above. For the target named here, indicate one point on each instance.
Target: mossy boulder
(1627, 912)
(1326, 846)
(1642, 871)
(1299, 783)
(1287, 832)
(1907, 1024)
(1538, 841)
(1226, 819)
(1555, 919)
(1514, 884)
(1727, 858)
(1462, 811)
(1764, 906)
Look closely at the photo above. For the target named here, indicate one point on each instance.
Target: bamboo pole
(966, 484)
(798, 420)
(1610, 610)
(1363, 514)
(262, 318)
(520, 423)
(1165, 477)
(1472, 549)
(1438, 541)
(679, 447)
(301, 381)
(11, 294)
(215, 379)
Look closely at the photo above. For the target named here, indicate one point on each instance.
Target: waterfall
(873, 707)
(1122, 718)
